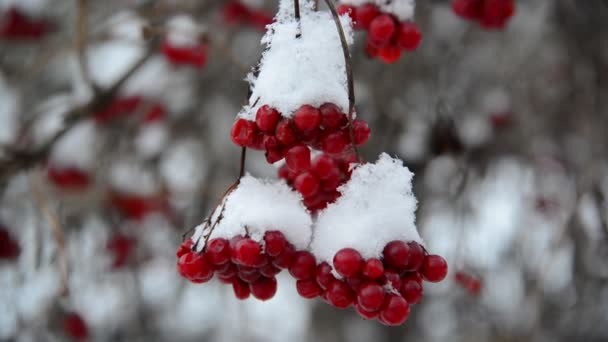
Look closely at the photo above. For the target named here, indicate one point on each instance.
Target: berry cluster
(9, 248)
(235, 12)
(249, 266)
(380, 289)
(75, 327)
(16, 25)
(470, 283)
(195, 55)
(387, 37)
(324, 128)
(68, 177)
(136, 206)
(121, 247)
(491, 14)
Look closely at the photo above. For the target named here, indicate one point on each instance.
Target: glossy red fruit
(416, 256)
(434, 268)
(285, 133)
(331, 117)
(235, 12)
(303, 266)
(322, 166)
(361, 131)
(411, 290)
(218, 251)
(286, 258)
(382, 29)
(297, 158)
(246, 252)
(248, 274)
(396, 255)
(340, 295)
(306, 184)
(121, 247)
(9, 248)
(370, 296)
(68, 177)
(468, 9)
(308, 288)
(275, 242)
(373, 269)
(75, 327)
(365, 14)
(394, 310)
(348, 262)
(184, 248)
(355, 282)
(389, 54)
(269, 270)
(333, 180)
(241, 289)
(335, 142)
(195, 55)
(264, 288)
(307, 118)
(226, 270)
(409, 36)
(364, 313)
(267, 119)
(323, 275)
(243, 132)
(194, 267)
(274, 155)
(393, 279)
(262, 260)
(495, 13)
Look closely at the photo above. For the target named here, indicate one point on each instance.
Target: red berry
(389, 54)
(340, 295)
(194, 267)
(434, 268)
(307, 118)
(267, 119)
(322, 166)
(246, 252)
(121, 246)
(308, 288)
(286, 258)
(370, 296)
(361, 131)
(184, 248)
(218, 251)
(411, 289)
(285, 133)
(241, 289)
(235, 11)
(371, 50)
(68, 177)
(226, 270)
(393, 279)
(373, 269)
(227, 279)
(332, 181)
(264, 288)
(468, 9)
(470, 283)
(262, 260)
(297, 158)
(306, 184)
(248, 274)
(348, 262)
(394, 310)
(365, 14)
(396, 255)
(364, 313)
(334, 143)
(303, 266)
(195, 55)
(75, 327)
(409, 36)
(382, 29)
(275, 243)
(331, 116)
(323, 275)
(355, 282)
(495, 13)
(416, 256)
(269, 270)
(243, 132)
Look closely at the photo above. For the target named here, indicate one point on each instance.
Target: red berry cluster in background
(468, 282)
(380, 289)
(9, 248)
(387, 37)
(121, 248)
(491, 14)
(123, 107)
(136, 206)
(68, 178)
(235, 12)
(75, 327)
(195, 55)
(324, 128)
(250, 267)
(15, 25)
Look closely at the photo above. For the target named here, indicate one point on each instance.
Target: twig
(242, 167)
(81, 41)
(349, 75)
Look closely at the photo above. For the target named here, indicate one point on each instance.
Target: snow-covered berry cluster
(18, 25)
(238, 13)
(185, 43)
(490, 14)
(389, 27)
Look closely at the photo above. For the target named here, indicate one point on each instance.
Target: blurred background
(110, 149)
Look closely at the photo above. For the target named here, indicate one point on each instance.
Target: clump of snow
(183, 31)
(130, 177)
(30, 7)
(76, 148)
(50, 116)
(257, 206)
(151, 139)
(377, 206)
(402, 9)
(496, 101)
(305, 70)
(8, 112)
(180, 166)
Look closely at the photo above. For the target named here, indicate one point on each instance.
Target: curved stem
(242, 167)
(349, 75)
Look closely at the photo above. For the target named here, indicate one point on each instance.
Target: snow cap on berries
(402, 9)
(294, 71)
(183, 31)
(376, 207)
(257, 206)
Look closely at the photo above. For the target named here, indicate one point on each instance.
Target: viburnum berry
(416, 256)
(394, 310)
(285, 133)
(267, 119)
(468, 9)
(246, 252)
(373, 269)
(194, 267)
(275, 243)
(308, 288)
(323, 275)
(469, 282)
(185, 247)
(409, 36)
(68, 177)
(370, 296)
(331, 116)
(365, 313)
(248, 274)
(264, 288)
(75, 327)
(218, 251)
(340, 295)
(307, 118)
(382, 29)
(495, 13)
(348, 262)
(396, 255)
(434, 268)
(365, 14)
(121, 246)
(361, 131)
(243, 132)
(306, 184)
(322, 166)
(241, 289)
(195, 55)
(297, 158)
(392, 279)
(286, 258)
(227, 270)
(389, 54)
(355, 282)
(334, 143)
(262, 260)
(303, 266)
(269, 270)
(411, 290)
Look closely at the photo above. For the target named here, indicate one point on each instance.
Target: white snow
(181, 166)
(262, 206)
(402, 9)
(306, 70)
(130, 177)
(151, 139)
(183, 31)
(496, 101)
(377, 206)
(76, 148)
(8, 112)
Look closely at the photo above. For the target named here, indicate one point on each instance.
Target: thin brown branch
(81, 41)
(242, 167)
